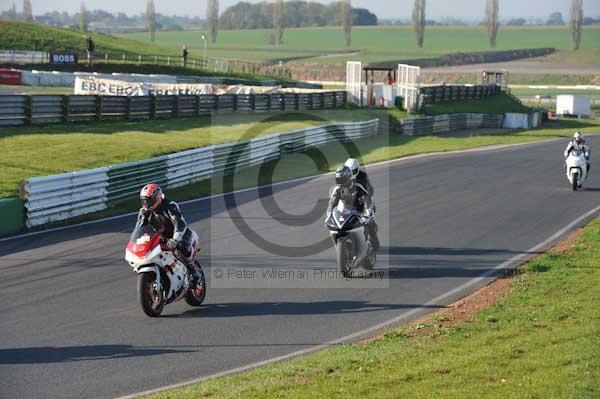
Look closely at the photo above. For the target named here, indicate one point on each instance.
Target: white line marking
(300, 179)
(514, 261)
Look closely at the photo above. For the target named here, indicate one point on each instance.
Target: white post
(205, 45)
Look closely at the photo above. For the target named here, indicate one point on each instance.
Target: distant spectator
(390, 80)
(89, 47)
(184, 56)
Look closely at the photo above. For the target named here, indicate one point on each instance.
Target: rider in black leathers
(165, 216)
(351, 191)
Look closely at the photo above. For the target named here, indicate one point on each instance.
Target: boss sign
(63, 58)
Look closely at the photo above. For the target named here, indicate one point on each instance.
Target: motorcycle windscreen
(344, 214)
(143, 240)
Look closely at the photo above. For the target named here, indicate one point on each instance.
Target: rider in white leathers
(579, 144)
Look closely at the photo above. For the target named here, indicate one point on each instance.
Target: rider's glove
(368, 213)
(327, 217)
(172, 244)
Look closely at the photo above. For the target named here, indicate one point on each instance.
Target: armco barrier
(436, 94)
(67, 195)
(51, 198)
(12, 217)
(453, 122)
(447, 123)
(50, 109)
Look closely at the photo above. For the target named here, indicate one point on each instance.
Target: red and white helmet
(151, 196)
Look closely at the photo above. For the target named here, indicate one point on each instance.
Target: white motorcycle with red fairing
(162, 277)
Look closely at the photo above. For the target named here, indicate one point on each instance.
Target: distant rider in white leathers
(579, 144)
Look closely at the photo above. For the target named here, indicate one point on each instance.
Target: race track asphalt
(72, 327)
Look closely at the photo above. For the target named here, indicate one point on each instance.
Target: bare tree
(278, 21)
(492, 10)
(151, 19)
(576, 22)
(346, 8)
(12, 12)
(418, 18)
(212, 15)
(83, 19)
(27, 12)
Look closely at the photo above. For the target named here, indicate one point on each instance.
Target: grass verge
(31, 36)
(46, 150)
(542, 339)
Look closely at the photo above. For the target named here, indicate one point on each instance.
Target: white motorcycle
(577, 170)
(350, 235)
(162, 277)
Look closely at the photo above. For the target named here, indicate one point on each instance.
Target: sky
(436, 9)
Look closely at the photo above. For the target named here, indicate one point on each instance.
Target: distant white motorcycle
(577, 170)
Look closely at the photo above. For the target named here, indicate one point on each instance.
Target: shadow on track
(225, 310)
(42, 355)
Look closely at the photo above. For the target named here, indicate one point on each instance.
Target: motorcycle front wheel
(575, 181)
(345, 256)
(152, 301)
(196, 295)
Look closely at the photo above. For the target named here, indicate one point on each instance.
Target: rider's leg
(373, 229)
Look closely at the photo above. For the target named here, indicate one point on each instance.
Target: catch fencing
(16, 110)
(17, 57)
(68, 195)
(437, 94)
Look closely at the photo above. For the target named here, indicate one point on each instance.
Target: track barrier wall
(68, 195)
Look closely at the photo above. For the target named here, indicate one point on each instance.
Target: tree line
(492, 22)
(102, 21)
(293, 14)
(279, 14)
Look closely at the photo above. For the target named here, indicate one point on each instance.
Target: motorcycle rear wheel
(152, 302)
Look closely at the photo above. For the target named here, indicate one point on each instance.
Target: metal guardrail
(52, 198)
(64, 196)
(51, 109)
(550, 100)
(436, 94)
(447, 123)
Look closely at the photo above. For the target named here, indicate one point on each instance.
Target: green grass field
(541, 341)
(29, 36)
(85, 146)
(379, 43)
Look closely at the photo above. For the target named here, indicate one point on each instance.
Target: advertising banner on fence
(92, 85)
(108, 87)
(22, 57)
(10, 77)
